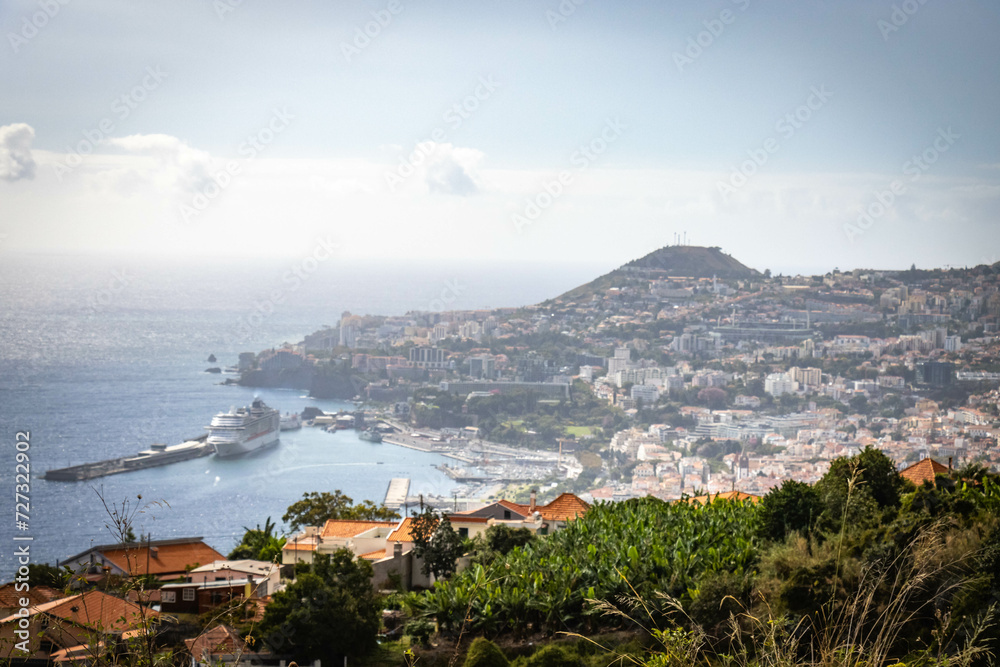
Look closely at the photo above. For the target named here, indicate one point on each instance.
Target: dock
(157, 455)
(395, 495)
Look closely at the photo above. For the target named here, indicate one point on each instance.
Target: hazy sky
(795, 135)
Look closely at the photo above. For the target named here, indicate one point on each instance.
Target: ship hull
(245, 430)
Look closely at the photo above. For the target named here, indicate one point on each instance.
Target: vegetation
(259, 544)
(861, 569)
(316, 508)
(330, 611)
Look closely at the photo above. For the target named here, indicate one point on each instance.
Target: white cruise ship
(245, 429)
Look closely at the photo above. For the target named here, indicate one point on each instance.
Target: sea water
(100, 357)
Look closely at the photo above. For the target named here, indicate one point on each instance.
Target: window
(170, 596)
(463, 533)
(188, 595)
(506, 514)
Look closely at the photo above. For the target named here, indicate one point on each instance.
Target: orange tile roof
(10, 598)
(343, 528)
(168, 558)
(565, 507)
(93, 609)
(923, 471)
(220, 640)
(403, 532)
(373, 555)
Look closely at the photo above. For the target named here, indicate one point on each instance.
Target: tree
(43, 574)
(316, 508)
(436, 543)
(331, 611)
(259, 543)
(871, 479)
(792, 506)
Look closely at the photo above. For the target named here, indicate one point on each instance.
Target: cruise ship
(245, 429)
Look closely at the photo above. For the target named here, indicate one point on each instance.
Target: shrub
(484, 653)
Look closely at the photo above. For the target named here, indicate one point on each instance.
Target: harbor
(156, 455)
(395, 495)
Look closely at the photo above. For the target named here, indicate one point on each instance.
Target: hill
(674, 260)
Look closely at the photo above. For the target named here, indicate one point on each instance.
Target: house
(218, 583)
(924, 470)
(11, 596)
(70, 625)
(164, 559)
(358, 536)
(221, 645)
(539, 518)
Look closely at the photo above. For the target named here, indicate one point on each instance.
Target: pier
(396, 494)
(157, 455)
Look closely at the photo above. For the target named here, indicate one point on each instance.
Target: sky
(797, 136)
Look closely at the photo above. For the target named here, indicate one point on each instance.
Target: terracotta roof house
(924, 471)
(552, 516)
(220, 645)
(71, 623)
(10, 597)
(210, 586)
(164, 559)
(358, 536)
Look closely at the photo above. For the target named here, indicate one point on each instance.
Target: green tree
(436, 543)
(259, 543)
(316, 508)
(332, 611)
(43, 574)
(871, 479)
(791, 506)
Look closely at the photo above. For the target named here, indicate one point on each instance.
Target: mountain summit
(673, 260)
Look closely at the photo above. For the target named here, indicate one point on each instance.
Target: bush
(484, 653)
(552, 655)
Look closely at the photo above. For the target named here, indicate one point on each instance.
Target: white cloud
(452, 170)
(177, 166)
(16, 161)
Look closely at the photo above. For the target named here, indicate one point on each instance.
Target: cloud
(448, 169)
(16, 161)
(178, 165)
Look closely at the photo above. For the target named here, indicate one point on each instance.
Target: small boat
(290, 422)
(370, 435)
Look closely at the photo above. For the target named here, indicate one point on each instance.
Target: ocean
(103, 356)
